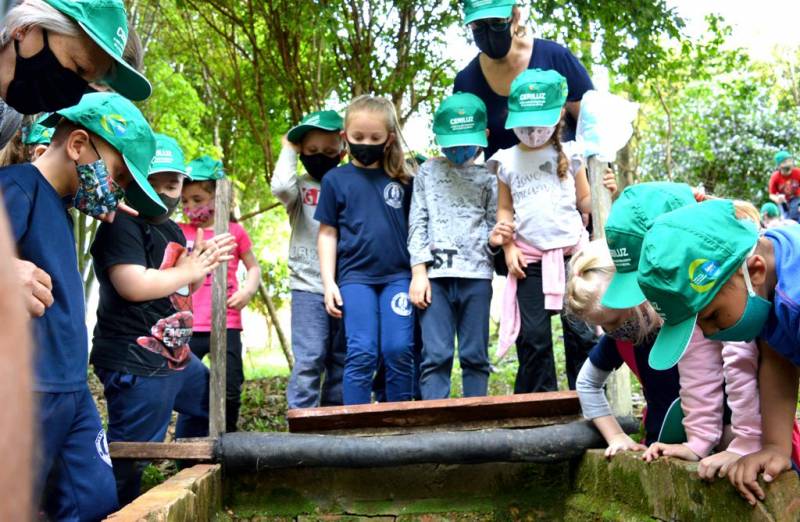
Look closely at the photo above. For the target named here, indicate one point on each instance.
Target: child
(771, 216)
(452, 214)
(86, 166)
(542, 190)
(197, 199)
(703, 265)
(36, 137)
(784, 185)
(317, 340)
(364, 261)
(144, 322)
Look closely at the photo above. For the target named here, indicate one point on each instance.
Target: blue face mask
(460, 154)
(752, 321)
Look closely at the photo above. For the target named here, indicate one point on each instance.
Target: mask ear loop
(746, 272)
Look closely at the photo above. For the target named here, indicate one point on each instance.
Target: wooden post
(219, 318)
(618, 386)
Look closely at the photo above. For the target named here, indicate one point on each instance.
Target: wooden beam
(194, 450)
(451, 412)
(219, 317)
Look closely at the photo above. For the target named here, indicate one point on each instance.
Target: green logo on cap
(703, 274)
(114, 124)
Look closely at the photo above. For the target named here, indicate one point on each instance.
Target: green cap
(536, 99)
(121, 124)
(168, 157)
(770, 209)
(106, 22)
(36, 133)
(687, 256)
(482, 9)
(460, 120)
(672, 430)
(205, 168)
(782, 156)
(631, 217)
(321, 120)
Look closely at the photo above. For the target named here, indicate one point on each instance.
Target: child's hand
(286, 144)
(717, 463)
(333, 300)
(206, 256)
(743, 474)
(515, 260)
(610, 180)
(239, 299)
(622, 442)
(420, 291)
(659, 449)
(501, 234)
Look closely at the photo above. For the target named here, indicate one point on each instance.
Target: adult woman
(507, 49)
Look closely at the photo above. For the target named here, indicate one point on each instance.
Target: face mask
(317, 165)
(493, 39)
(199, 214)
(171, 204)
(97, 193)
(534, 137)
(42, 84)
(786, 170)
(461, 154)
(752, 321)
(366, 154)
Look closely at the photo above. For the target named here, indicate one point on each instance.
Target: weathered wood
(202, 449)
(433, 413)
(219, 316)
(618, 386)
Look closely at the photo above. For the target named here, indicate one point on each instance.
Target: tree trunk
(273, 315)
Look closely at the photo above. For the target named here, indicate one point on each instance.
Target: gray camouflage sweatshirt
(452, 213)
(299, 194)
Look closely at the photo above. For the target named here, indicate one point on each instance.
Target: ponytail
(555, 140)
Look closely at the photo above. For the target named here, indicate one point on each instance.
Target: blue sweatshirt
(782, 330)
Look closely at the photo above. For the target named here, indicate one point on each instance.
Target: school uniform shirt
(201, 299)
(300, 195)
(453, 210)
(370, 211)
(789, 185)
(782, 330)
(660, 388)
(43, 234)
(545, 206)
(149, 338)
(546, 55)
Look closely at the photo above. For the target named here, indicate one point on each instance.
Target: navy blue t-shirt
(43, 232)
(660, 388)
(370, 211)
(546, 55)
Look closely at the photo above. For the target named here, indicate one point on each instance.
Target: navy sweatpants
(140, 408)
(74, 478)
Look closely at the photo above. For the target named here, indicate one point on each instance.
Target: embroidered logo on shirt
(401, 305)
(393, 195)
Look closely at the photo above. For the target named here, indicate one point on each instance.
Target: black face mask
(171, 204)
(493, 43)
(42, 84)
(317, 165)
(366, 154)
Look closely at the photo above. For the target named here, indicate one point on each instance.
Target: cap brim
(126, 80)
(672, 431)
(295, 134)
(503, 11)
(671, 344)
(623, 291)
(546, 118)
(141, 195)
(458, 140)
(168, 169)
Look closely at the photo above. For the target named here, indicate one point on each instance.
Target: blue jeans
(458, 307)
(74, 476)
(234, 371)
(378, 320)
(140, 408)
(319, 349)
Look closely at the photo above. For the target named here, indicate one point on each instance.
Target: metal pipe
(252, 452)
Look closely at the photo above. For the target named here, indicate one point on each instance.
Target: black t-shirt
(146, 338)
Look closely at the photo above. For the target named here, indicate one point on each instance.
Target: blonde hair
(746, 210)
(555, 140)
(37, 13)
(394, 161)
(590, 272)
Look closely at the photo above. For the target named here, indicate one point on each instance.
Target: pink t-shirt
(201, 300)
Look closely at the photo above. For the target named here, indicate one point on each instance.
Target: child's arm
(740, 366)
(326, 245)
(249, 287)
(284, 183)
(505, 218)
(777, 379)
(583, 193)
(419, 244)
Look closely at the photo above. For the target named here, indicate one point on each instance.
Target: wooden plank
(194, 450)
(433, 413)
(219, 316)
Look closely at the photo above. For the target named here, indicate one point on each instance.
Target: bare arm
(326, 245)
(249, 287)
(583, 195)
(574, 108)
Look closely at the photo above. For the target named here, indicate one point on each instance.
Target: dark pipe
(249, 452)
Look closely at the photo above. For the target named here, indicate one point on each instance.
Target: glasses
(497, 25)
